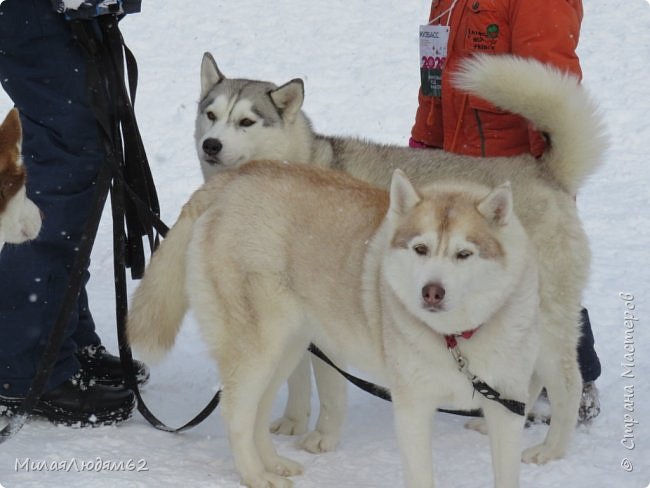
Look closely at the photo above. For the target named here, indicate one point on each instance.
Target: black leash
(379, 391)
(375, 390)
(515, 406)
(135, 206)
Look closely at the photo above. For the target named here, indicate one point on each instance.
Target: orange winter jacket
(547, 30)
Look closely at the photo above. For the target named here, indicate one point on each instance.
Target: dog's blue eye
(211, 116)
(464, 254)
(246, 122)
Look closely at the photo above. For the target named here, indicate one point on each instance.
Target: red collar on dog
(451, 341)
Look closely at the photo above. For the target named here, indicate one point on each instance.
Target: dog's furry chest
(501, 352)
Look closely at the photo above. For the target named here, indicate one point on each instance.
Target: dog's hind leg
(242, 394)
(254, 358)
(295, 419)
(561, 377)
(332, 392)
(505, 430)
(534, 390)
(272, 461)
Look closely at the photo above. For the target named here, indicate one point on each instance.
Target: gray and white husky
(239, 120)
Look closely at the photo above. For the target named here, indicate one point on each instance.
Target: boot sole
(61, 416)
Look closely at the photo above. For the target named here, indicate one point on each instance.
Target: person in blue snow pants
(42, 69)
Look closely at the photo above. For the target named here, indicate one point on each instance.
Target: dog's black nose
(433, 293)
(212, 147)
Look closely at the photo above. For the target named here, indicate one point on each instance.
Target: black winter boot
(98, 365)
(589, 369)
(77, 403)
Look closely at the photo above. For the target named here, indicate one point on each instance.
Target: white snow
(72, 4)
(359, 63)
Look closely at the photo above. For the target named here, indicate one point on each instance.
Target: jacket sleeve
(547, 30)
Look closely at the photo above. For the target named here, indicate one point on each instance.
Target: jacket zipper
(481, 135)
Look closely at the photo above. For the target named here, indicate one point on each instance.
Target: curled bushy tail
(160, 302)
(552, 100)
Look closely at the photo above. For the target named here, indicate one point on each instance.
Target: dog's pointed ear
(288, 98)
(10, 131)
(403, 195)
(497, 207)
(210, 74)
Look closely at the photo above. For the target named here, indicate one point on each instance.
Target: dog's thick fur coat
(20, 219)
(275, 256)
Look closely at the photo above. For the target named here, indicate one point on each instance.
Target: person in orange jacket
(448, 118)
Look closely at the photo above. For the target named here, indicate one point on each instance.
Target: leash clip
(483, 388)
(462, 363)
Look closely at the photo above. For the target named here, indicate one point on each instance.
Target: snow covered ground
(359, 63)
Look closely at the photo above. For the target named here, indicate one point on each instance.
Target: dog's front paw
(317, 442)
(541, 454)
(283, 466)
(266, 480)
(477, 424)
(289, 426)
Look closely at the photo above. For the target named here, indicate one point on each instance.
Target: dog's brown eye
(421, 250)
(211, 116)
(464, 254)
(246, 122)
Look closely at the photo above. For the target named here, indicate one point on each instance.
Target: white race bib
(433, 57)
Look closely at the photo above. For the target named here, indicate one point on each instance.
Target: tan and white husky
(20, 219)
(238, 120)
(272, 256)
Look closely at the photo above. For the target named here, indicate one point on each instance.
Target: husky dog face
(20, 219)
(447, 256)
(239, 120)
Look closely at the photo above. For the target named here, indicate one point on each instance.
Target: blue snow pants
(43, 71)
